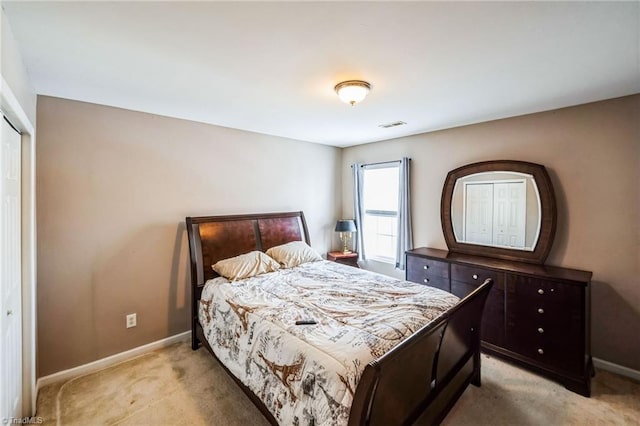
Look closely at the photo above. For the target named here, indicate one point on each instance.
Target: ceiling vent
(394, 124)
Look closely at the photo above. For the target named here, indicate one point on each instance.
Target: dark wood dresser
(536, 316)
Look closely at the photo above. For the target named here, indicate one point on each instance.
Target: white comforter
(307, 374)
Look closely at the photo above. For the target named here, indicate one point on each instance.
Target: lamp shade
(346, 226)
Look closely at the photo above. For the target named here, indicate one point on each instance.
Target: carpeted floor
(176, 385)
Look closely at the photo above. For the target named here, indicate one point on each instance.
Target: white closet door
(509, 214)
(478, 227)
(10, 272)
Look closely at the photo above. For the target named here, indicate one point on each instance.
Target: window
(380, 185)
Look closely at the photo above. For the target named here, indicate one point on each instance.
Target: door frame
(12, 109)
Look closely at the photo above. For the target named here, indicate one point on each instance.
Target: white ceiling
(270, 67)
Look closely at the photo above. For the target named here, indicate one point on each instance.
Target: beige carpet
(176, 385)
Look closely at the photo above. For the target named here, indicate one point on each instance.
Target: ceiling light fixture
(352, 91)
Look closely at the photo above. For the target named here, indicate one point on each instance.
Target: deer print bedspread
(307, 374)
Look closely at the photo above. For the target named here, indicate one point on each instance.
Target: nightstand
(350, 259)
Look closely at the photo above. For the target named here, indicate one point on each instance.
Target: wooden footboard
(421, 378)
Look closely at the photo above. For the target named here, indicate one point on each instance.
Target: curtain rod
(381, 162)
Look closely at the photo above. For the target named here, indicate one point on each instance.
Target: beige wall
(114, 187)
(592, 153)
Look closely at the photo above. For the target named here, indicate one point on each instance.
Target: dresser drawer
(540, 293)
(440, 283)
(556, 329)
(550, 349)
(429, 272)
(424, 267)
(521, 311)
(470, 274)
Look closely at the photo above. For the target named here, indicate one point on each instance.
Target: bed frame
(417, 381)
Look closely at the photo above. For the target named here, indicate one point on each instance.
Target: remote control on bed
(306, 322)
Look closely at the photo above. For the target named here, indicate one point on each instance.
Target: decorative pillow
(245, 266)
(293, 254)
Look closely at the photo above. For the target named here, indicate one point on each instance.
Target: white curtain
(357, 210)
(405, 235)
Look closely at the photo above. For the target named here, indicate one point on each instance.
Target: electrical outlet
(131, 320)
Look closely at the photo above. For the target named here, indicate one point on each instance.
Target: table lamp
(345, 228)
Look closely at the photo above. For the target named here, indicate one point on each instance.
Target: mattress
(307, 374)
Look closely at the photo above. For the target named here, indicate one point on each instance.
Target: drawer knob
(540, 330)
(540, 311)
(540, 291)
(426, 280)
(426, 266)
(475, 277)
(540, 351)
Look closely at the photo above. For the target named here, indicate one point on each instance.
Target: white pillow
(246, 265)
(293, 254)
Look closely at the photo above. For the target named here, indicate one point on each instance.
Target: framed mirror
(503, 209)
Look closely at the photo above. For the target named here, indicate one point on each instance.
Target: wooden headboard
(213, 238)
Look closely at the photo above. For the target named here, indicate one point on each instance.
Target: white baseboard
(103, 363)
(615, 368)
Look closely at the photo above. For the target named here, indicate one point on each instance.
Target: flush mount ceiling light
(352, 91)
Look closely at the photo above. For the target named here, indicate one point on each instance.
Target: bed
(406, 358)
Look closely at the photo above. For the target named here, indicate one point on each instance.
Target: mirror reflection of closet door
(495, 213)
(509, 214)
(478, 223)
